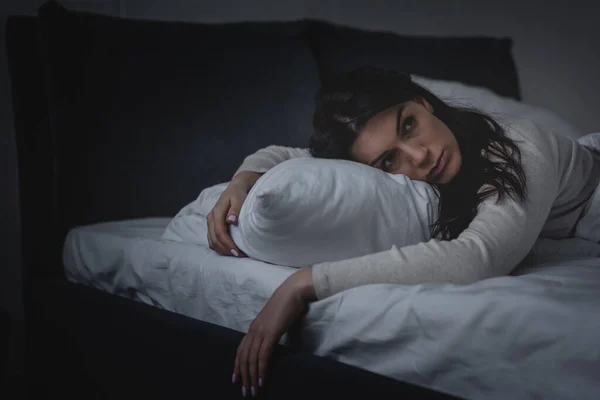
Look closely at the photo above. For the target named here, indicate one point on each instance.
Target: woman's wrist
(304, 284)
(246, 179)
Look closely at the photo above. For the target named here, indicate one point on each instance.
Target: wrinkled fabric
(129, 258)
(531, 335)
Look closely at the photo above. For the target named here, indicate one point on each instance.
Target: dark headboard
(123, 118)
(40, 244)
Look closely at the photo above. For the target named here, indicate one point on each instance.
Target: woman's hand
(286, 304)
(227, 211)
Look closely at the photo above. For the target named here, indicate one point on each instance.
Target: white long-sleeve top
(561, 177)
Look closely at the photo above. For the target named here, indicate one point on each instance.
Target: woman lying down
(499, 191)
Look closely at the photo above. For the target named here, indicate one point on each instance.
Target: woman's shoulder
(537, 140)
(532, 131)
(525, 130)
(544, 153)
(528, 135)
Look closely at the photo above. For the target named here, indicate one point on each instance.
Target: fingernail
(235, 253)
(231, 218)
(244, 391)
(253, 391)
(259, 382)
(233, 378)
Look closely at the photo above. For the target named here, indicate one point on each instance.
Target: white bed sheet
(533, 336)
(536, 335)
(130, 259)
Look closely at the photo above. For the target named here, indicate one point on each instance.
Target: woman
(500, 189)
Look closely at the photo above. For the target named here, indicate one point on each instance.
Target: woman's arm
(227, 209)
(498, 238)
(493, 244)
(268, 157)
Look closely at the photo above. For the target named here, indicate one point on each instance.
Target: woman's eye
(409, 124)
(387, 161)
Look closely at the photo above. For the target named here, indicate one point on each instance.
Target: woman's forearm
(268, 157)
(246, 179)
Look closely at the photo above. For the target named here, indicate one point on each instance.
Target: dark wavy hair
(491, 161)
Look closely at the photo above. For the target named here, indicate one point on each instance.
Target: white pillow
(306, 210)
(503, 109)
(189, 225)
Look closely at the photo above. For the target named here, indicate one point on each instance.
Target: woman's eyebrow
(398, 132)
(398, 120)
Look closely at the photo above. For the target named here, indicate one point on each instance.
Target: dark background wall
(556, 51)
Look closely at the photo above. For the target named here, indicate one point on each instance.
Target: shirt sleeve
(495, 242)
(268, 157)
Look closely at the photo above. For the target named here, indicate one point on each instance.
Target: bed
(465, 340)
(119, 123)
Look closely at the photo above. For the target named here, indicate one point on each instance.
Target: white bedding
(532, 336)
(130, 259)
(536, 335)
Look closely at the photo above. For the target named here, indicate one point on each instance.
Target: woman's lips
(439, 169)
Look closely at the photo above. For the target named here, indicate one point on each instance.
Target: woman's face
(408, 139)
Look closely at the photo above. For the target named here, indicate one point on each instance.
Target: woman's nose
(417, 153)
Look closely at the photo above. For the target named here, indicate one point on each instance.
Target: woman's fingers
(226, 212)
(222, 229)
(253, 363)
(236, 377)
(212, 238)
(246, 345)
(264, 354)
(232, 217)
(218, 232)
(211, 232)
(233, 214)
(208, 232)
(225, 241)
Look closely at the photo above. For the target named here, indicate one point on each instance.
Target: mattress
(129, 258)
(535, 334)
